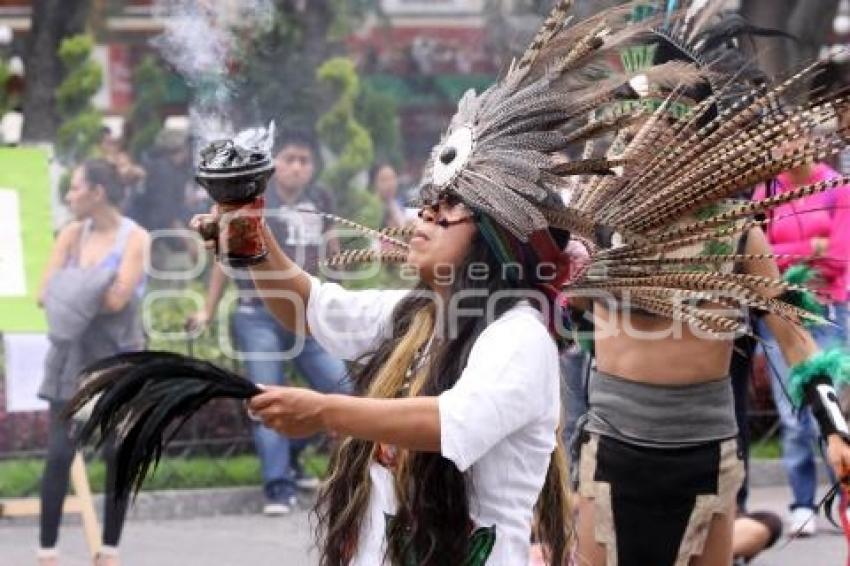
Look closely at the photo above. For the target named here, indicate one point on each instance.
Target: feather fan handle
(145, 397)
(363, 229)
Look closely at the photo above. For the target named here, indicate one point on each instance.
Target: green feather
(587, 345)
(481, 543)
(834, 363)
(480, 546)
(800, 275)
(809, 303)
(393, 527)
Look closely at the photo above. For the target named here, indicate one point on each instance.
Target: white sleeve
(348, 324)
(508, 381)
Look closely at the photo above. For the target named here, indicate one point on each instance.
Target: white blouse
(499, 420)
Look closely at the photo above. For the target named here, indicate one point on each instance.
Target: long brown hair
(432, 525)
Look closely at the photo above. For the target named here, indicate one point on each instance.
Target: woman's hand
(838, 455)
(198, 321)
(292, 411)
(207, 226)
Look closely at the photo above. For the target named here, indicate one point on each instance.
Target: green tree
(345, 137)
(149, 86)
(275, 75)
(52, 21)
(378, 112)
(80, 123)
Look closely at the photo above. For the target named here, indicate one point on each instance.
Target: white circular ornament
(617, 240)
(453, 156)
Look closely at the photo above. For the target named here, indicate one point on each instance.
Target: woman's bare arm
(130, 272)
(58, 255)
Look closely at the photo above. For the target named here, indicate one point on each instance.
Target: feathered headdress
(639, 115)
(590, 111)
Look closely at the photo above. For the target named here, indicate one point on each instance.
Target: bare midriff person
(649, 349)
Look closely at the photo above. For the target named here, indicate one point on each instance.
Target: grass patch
(21, 477)
(767, 449)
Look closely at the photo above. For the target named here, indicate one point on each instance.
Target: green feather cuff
(799, 274)
(834, 363)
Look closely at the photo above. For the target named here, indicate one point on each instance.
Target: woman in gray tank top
(91, 291)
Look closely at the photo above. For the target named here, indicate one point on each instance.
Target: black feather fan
(144, 398)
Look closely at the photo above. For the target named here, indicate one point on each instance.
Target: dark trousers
(54, 483)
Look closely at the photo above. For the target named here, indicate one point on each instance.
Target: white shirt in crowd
(499, 420)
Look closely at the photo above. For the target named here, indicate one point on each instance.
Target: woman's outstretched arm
(412, 423)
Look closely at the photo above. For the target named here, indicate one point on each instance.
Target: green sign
(26, 236)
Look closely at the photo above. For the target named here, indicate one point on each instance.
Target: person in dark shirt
(160, 205)
(265, 346)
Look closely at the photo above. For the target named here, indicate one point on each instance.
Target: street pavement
(252, 540)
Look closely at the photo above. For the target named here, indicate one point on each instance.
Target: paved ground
(239, 540)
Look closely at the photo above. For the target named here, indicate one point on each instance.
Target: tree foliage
(275, 68)
(344, 136)
(149, 86)
(52, 21)
(378, 112)
(275, 78)
(80, 123)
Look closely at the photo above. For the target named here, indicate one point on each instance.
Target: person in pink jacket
(814, 231)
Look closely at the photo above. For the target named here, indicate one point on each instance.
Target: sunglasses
(433, 208)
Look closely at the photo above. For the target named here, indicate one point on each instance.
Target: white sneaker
(802, 522)
(308, 483)
(276, 509)
(280, 505)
